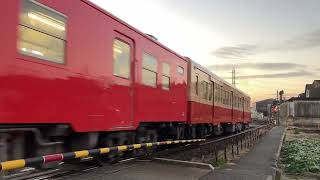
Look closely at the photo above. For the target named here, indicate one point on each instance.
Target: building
(302, 95)
(298, 107)
(264, 106)
(313, 90)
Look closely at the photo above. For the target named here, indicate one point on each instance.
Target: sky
(273, 45)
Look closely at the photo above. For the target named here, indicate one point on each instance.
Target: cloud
(239, 51)
(276, 75)
(307, 40)
(302, 41)
(259, 66)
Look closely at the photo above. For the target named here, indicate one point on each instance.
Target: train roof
(205, 70)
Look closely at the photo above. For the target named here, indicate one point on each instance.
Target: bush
(301, 156)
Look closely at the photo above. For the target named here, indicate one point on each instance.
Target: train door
(213, 99)
(122, 90)
(242, 103)
(232, 106)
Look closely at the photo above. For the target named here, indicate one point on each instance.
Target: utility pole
(234, 77)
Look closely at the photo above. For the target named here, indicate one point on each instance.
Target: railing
(211, 151)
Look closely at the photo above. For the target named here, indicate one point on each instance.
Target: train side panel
(82, 90)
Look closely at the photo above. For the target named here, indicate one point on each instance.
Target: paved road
(257, 164)
(144, 171)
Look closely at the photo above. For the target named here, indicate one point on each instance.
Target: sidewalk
(257, 164)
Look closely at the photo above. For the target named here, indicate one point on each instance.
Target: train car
(214, 105)
(75, 77)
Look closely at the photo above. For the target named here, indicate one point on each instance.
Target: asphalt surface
(257, 164)
(144, 171)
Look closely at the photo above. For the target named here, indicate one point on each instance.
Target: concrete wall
(305, 109)
(300, 113)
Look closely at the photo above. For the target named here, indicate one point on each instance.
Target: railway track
(206, 151)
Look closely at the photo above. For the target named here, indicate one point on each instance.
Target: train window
(227, 97)
(42, 32)
(166, 69)
(205, 89)
(227, 103)
(246, 104)
(180, 70)
(121, 59)
(217, 94)
(165, 82)
(223, 96)
(220, 95)
(237, 102)
(149, 70)
(165, 76)
(210, 91)
(236, 105)
(242, 103)
(197, 85)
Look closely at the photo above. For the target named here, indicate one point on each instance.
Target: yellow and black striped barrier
(30, 162)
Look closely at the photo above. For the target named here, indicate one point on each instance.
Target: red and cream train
(72, 76)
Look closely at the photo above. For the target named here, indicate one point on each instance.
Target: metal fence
(212, 151)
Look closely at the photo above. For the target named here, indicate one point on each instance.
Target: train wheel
(218, 130)
(201, 131)
(238, 127)
(145, 135)
(111, 140)
(180, 132)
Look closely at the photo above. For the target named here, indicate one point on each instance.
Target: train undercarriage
(17, 142)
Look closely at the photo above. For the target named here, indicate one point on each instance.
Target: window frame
(204, 90)
(167, 76)
(144, 68)
(210, 89)
(130, 57)
(197, 85)
(65, 41)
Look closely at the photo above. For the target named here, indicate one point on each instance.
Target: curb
(277, 173)
(184, 163)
